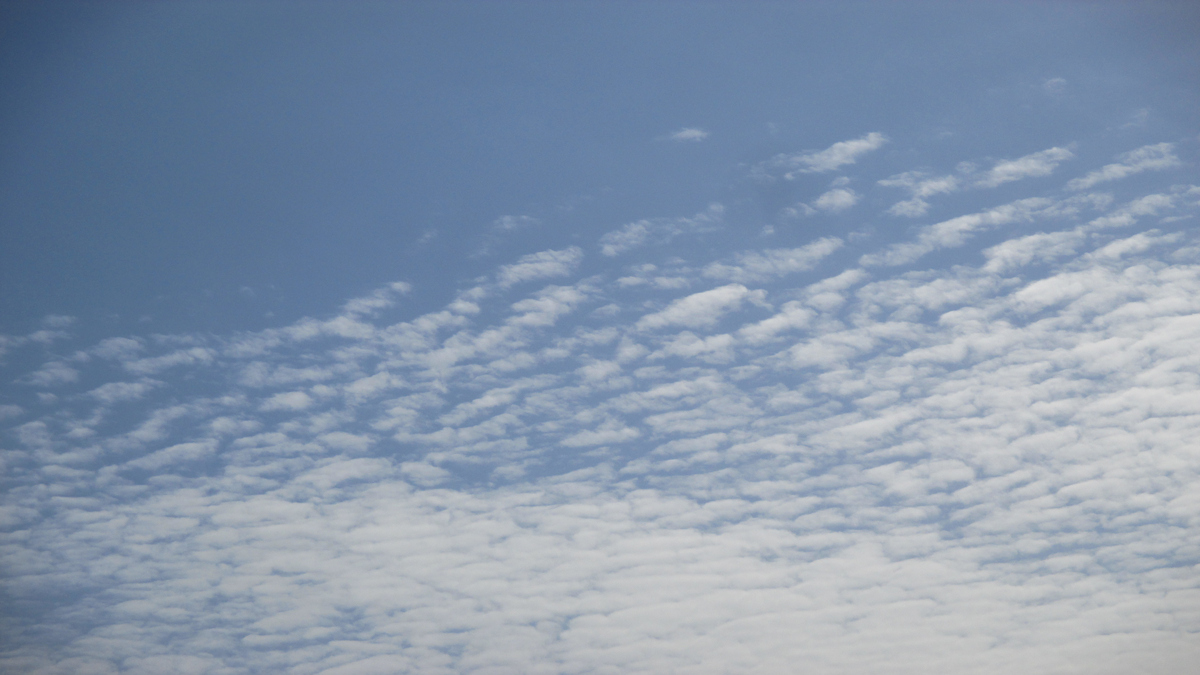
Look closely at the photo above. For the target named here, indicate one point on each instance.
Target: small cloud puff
(836, 200)
(689, 134)
(292, 400)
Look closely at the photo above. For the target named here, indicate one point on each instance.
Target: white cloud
(836, 200)
(513, 223)
(701, 309)
(956, 231)
(835, 156)
(1054, 85)
(543, 265)
(53, 374)
(115, 392)
(118, 348)
(610, 432)
(1129, 214)
(1146, 158)
(689, 134)
(761, 265)
(921, 186)
(799, 210)
(381, 299)
(292, 400)
(1041, 163)
(182, 357)
(659, 231)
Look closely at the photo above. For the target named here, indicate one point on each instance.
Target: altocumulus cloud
(739, 463)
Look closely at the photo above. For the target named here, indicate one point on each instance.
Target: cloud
(921, 186)
(53, 374)
(956, 231)
(541, 265)
(658, 231)
(513, 223)
(1054, 85)
(1138, 119)
(292, 400)
(1129, 214)
(701, 309)
(381, 299)
(689, 134)
(1146, 158)
(762, 265)
(1041, 163)
(115, 392)
(836, 200)
(835, 156)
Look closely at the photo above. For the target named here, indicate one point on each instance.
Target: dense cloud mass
(847, 457)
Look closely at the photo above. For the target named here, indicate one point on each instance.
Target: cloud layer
(843, 454)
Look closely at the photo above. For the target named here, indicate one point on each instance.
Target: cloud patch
(658, 231)
(751, 266)
(921, 186)
(834, 157)
(689, 135)
(702, 309)
(1146, 158)
(1034, 165)
(542, 265)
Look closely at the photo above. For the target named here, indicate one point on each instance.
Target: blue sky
(599, 338)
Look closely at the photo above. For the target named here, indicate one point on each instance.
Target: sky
(372, 338)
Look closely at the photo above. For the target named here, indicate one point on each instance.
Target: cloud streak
(1034, 165)
(689, 135)
(1146, 158)
(834, 157)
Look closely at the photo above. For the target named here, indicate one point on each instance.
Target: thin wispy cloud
(540, 266)
(658, 231)
(1030, 166)
(1054, 85)
(921, 185)
(834, 157)
(1146, 158)
(513, 223)
(689, 135)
